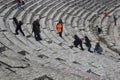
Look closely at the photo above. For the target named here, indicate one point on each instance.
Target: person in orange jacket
(60, 28)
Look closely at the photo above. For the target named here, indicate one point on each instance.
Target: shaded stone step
(44, 77)
(13, 63)
(59, 59)
(2, 49)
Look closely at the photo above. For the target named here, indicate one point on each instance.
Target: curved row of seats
(108, 27)
(55, 49)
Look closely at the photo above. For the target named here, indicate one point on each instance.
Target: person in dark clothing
(115, 20)
(60, 28)
(88, 43)
(99, 30)
(36, 30)
(19, 28)
(77, 42)
(98, 48)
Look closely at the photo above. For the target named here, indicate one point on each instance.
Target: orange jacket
(59, 27)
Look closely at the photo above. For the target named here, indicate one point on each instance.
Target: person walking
(60, 28)
(115, 20)
(98, 48)
(99, 30)
(88, 43)
(18, 26)
(77, 42)
(36, 30)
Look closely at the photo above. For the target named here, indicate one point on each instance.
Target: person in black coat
(18, 26)
(88, 43)
(77, 42)
(99, 30)
(36, 30)
(115, 20)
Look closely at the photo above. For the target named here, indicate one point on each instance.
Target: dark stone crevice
(59, 59)
(44, 77)
(2, 49)
(23, 53)
(43, 56)
(76, 62)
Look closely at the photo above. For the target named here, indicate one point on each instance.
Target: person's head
(75, 37)
(97, 45)
(86, 37)
(37, 20)
(14, 18)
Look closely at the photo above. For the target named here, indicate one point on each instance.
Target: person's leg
(22, 32)
(81, 47)
(35, 35)
(16, 30)
(38, 36)
(60, 34)
(76, 45)
(89, 48)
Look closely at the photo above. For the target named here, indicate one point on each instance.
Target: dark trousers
(76, 45)
(20, 31)
(81, 47)
(37, 36)
(60, 34)
(89, 47)
(115, 22)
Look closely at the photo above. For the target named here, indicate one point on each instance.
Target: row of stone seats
(11, 57)
(12, 72)
(20, 45)
(92, 36)
(107, 27)
(9, 36)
